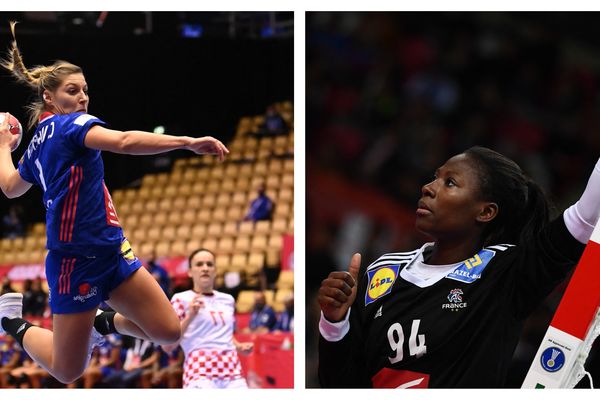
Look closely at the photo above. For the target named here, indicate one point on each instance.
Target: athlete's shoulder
(183, 296)
(224, 296)
(394, 258)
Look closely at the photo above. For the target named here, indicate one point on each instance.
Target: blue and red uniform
(88, 256)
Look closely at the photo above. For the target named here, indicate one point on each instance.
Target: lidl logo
(380, 282)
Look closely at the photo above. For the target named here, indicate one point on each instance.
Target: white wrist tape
(334, 331)
(582, 216)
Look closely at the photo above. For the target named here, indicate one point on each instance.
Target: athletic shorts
(79, 283)
(217, 383)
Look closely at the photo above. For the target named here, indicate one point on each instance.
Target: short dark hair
(196, 252)
(523, 209)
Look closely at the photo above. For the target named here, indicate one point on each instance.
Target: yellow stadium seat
(157, 191)
(214, 230)
(228, 186)
(287, 180)
(280, 297)
(199, 231)
(202, 174)
(18, 243)
(275, 166)
(165, 205)
(151, 206)
(273, 182)
(246, 228)
(275, 241)
(179, 203)
(222, 262)
(176, 175)
(256, 260)
(262, 227)
(280, 225)
(154, 233)
(184, 232)
(169, 232)
(245, 170)
(260, 169)
(288, 165)
(223, 200)
(193, 203)
(239, 198)
(145, 220)
(180, 163)
(30, 243)
(204, 216)
(209, 200)
(235, 213)
(130, 222)
(170, 191)
(283, 210)
(175, 217)
(219, 214)
(243, 184)
(178, 248)
(286, 195)
(232, 170)
(259, 242)
(160, 219)
(242, 244)
(184, 190)
(212, 187)
(238, 262)
(210, 244)
(245, 301)
(163, 248)
(230, 229)
(285, 280)
(225, 245)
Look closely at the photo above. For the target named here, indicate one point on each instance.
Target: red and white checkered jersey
(212, 328)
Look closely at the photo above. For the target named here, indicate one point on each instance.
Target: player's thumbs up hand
(338, 291)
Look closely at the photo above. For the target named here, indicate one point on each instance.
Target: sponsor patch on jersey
(127, 252)
(380, 282)
(552, 359)
(471, 269)
(82, 119)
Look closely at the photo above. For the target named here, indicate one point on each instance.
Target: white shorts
(217, 383)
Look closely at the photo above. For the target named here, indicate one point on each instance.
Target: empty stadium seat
(286, 280)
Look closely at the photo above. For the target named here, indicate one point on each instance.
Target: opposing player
(450, 313)
(207, 325)
(89, 260)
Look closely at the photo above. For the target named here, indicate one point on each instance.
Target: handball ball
(14, 126)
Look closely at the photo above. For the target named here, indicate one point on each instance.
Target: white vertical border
(299, 201)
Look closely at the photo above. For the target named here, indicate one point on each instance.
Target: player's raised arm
(141, 143)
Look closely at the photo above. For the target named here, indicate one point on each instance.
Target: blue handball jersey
(80, 216)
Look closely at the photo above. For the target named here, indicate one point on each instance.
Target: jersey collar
(45, 114)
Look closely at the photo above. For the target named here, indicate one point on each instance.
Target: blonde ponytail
(39, 78)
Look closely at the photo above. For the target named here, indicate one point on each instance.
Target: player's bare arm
(144, 143)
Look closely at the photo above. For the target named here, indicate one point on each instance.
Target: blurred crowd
(121, 361)
(391, 96)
